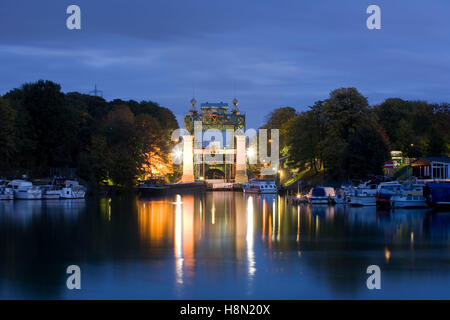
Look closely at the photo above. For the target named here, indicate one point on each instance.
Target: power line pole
(96, 92)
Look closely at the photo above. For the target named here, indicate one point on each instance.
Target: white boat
(67, 193)
(78, 190)
(408, 201)
(261, 186)
(50, 192)
(321, 195)
(386, 190)
(343, 194)
(363, 200)
(221, 186)
(409, 197)
(25, 190)
(6, 191)
(364, 195)
(341, 198)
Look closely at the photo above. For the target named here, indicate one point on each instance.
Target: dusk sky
(269, 54)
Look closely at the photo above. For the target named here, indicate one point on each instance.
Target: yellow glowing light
(299, 195)
(178, 153)
(249, 238)
(251, 152)
(178, 200)
(387, 254)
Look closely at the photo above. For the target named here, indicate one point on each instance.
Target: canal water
(220, 245)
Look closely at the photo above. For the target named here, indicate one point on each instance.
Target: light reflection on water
(220, 245)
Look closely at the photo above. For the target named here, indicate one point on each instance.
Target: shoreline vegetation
(46, 132)
(109, 145)
(343, 138)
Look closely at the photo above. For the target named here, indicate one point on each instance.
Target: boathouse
(431, 168)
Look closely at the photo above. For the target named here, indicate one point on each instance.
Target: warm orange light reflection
(249, 238)
(387, 254)
(155, 221)
(188, 233)
(264, 219)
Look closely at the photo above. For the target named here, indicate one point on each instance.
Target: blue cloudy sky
(269, 53)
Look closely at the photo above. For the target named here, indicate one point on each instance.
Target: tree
(156, 161)
(114, 148)
(344, 112)
(278, 119)
(304, 138)
(365, 154)
(339, 135)
(48, 126)
(415, 127)
(108, 142)
(8, 143)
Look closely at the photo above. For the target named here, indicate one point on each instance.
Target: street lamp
(251, 152)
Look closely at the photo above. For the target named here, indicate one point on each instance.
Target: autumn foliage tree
(106, 142)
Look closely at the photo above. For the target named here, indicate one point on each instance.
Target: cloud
(90, 57)
(267, 53)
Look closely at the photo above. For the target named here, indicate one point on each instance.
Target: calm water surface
(219, 245)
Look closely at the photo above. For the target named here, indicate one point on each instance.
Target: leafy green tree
(114, 147)
(365, 154)
(415, 127)
(344, 113)
(304, 138)
(328, 135)
(278, 119)
(389, 114)
(48, 125)
(108, 142)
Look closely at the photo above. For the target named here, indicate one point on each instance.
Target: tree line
(343, 138)
(118, 142)
(113, 142)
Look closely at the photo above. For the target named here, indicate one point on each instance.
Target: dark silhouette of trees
(107, 142)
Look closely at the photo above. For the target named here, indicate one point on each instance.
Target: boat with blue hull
(437, 194)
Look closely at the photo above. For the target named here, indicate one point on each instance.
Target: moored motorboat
(152, 187)
(408, 201)
(364, 195)
(408, 197)
(50, 192)
(186, 187)
(6, 191)
(261, 186)
(67, 193)
(363, 200)
(25, 190)
(385, 191)
(76, 191)
(321, 195)
(343, 194)
(341, 197)
(437, 194)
